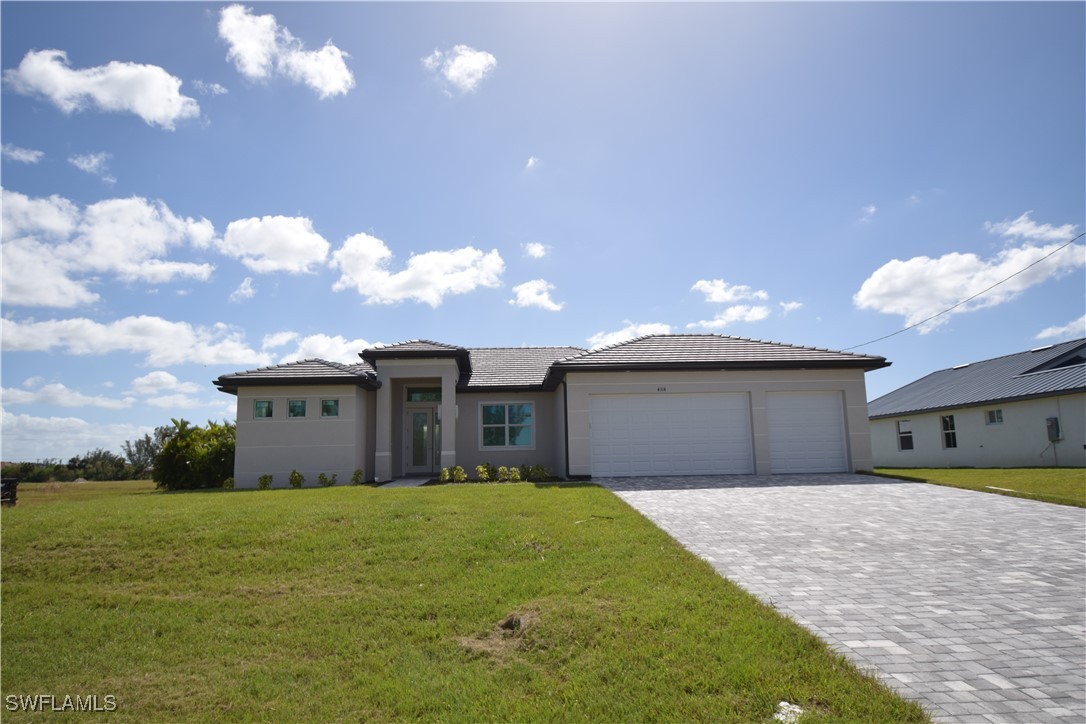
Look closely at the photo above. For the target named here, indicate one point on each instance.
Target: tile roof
(309, 371)
(713, 351)
(417, 345)
(506, 367)
(1051, 370)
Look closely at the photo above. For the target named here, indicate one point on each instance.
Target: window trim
(271, 410)
(902, 435)
(949, 430)
(510, 448)
(305, 409)
(330, 399)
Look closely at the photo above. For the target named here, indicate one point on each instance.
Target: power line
(968, 299)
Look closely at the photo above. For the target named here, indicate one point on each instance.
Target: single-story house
(656, 405)
(1022, 410)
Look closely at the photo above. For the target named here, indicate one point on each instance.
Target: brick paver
(972, 604)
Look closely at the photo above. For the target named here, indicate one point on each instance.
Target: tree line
(176, 456)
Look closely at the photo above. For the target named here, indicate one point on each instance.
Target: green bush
(459, 475)
(325, 481)
(296, 479)
(264, 482)
(482, 474)
(514, 475)
(503, 474)
(195, 457)
(228, 483)
(358, 477)
(445, 475)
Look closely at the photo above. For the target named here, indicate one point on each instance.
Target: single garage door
(806, 432)
(670, 434)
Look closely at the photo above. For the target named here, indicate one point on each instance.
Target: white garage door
(670, 434)
(806, 432)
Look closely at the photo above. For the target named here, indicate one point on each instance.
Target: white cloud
(718, 290)
(322, 346)
(52, 249)
(96, 164)
(363, 262)
(921, 287)
(260, 48)
(789, 307)
(1071, 330)
(632, 330)
(22, 155)
(275, 243)
(536, 293)
(159, 381)
(245, 290)
(145, 90)
(163, 342)
(462, 66)
(176, 401)
(278, 339)
(1026, 228)
(209, 89)
(731, 315)
(535, 250)
(62, 396)
(28, 438)
(533, 162)
(868, 213)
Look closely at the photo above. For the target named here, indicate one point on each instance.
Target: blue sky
(194, 188)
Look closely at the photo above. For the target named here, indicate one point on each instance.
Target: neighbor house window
(295, 408)
(262, 409)
(508, 425)
(950, 437)
(904, 435)
(329, 408)
(994, 417)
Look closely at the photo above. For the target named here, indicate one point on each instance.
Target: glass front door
(423, 437)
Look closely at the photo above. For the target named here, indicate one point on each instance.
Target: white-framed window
(329, 408)
(262, 409)
(295, 408)
(993, 417)
(507, 425)
(950, 435)
(904, 435)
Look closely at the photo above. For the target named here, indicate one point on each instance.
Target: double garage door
(710, 434)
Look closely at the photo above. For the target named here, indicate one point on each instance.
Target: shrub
(296, 479)
(195, 457)
(264, 481)
(445, 475)
(357, 477)
(503, 474)
(228, 483)
(482, 474)
(535, 473)
(514, 475)
(325, 481)
(459, 475)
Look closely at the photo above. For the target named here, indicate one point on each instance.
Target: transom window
(994, 417)
(508, 425)
(295, 408)
(950, 436)
(262, 409)
(424, 394)
(329, 408)
(904, 435)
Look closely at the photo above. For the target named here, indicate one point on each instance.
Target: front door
(423, 437)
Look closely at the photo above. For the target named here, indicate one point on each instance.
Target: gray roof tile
(504, 367)
(1050, 370)
(309, 371)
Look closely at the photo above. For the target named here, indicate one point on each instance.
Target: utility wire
(968, 299)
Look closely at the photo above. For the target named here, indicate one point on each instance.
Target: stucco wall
(310, 445)
(548, 424)
(755, 383)
(1020, 441)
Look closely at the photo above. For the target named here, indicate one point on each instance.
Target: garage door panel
(807, 432)
(670, 434)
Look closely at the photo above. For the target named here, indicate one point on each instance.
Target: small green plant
(459, 475)
(503, 474)
(228, 484)
(325, 481)
(296, 479)
(445, 476)
(482, 474)
(535, 473)
(357, 477)
(514, 475)
(264, 481)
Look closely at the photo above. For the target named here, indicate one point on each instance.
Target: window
(424, 394)
(994, 417)
(950, 437)
(295, 408)
(904, 435)
(262, 409)
(508, 425)
(329, 408)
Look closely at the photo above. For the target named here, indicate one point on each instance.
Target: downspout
(565, 415)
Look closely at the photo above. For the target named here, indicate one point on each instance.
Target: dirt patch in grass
(506, 638)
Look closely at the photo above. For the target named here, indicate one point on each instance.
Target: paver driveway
(972, 604)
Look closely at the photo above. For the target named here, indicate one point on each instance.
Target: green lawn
(1066, 486)
(358, 603)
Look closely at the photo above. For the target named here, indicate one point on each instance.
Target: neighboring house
(657, 405)
(1022, 410)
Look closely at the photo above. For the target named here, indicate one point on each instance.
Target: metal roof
(1056, 369)
(304, 372)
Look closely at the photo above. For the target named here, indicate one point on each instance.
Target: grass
(1066, 486)
(356, 603)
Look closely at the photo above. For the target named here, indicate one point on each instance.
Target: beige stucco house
(1022, 410)
(657, 405)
